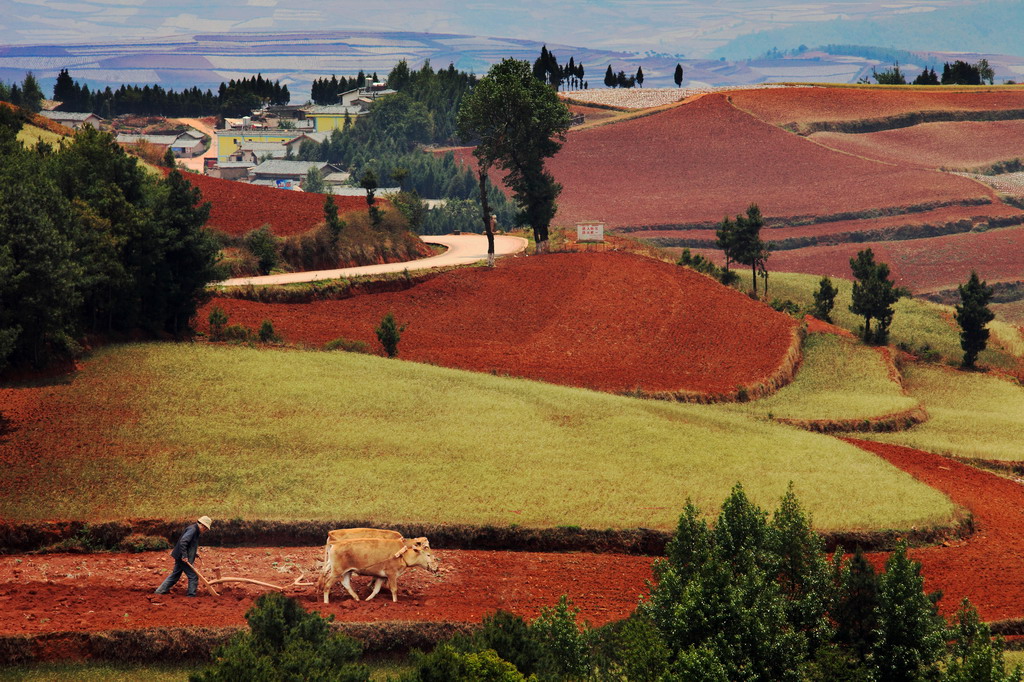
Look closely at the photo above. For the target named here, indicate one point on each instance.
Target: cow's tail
(325, 570)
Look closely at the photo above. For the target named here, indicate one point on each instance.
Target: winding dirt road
(463, 249)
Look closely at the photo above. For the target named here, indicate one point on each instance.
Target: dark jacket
(188, 543)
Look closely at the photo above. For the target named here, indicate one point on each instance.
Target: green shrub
(238, 334)
(136, 542)
(347, 345)
(510, 637)
(218, 320)
(564, 649)
(447, 664)
(284, 642)
(262, 244)
(267, 333)
(785, 306)
(389, 333)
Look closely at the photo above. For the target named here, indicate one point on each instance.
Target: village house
(288, 174)
(184, 145)
(354, 103)
(73, 119)
(231, 170)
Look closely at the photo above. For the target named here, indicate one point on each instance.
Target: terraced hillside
(821, 210)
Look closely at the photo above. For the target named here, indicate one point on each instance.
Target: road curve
(463, 249)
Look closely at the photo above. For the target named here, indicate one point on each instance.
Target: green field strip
(839, 380)
(971, 414)
(919, 325)
(162, 430)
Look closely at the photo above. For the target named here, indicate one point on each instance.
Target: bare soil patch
(699, 161)
(811, 104)
(609, 321)
(238, 207)
(90, 592)
(935, 145)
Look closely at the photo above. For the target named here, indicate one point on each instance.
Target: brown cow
(381, 558)
(353, 533)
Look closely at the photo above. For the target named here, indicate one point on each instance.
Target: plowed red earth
(702, 160)
(920, 264)
(238, 207)
(609, 321)
(803, 105)
(935, 145)
(60, 592)
(68, 592)
(937, 217)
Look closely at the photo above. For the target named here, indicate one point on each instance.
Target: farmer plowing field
(184, 555)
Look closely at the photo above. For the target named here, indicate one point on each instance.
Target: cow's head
(419, 554)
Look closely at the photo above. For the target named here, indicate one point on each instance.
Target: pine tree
(640, 76)
(824, 300)
(679, 75)
(973, 314)
(873, 295)
(609, 78)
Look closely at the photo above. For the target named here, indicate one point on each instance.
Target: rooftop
(68, 115)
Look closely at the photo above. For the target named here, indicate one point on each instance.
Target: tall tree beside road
(517, 123)
(973, 315)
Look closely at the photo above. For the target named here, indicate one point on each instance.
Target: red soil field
(75, 592)
(702, 160)
(935, 145)
(937, 217)
(69, 592)
(779, 106)
(238, 207)
(592, 114)
(921, 264)
(603, 320)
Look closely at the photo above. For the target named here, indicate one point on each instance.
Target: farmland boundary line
(23, 537)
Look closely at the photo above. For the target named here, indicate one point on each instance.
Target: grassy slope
(839, 379)
(237, 432)
(29, 135)
(916, 323)
(972, 415)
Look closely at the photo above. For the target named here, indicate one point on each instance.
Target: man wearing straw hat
(184, 554)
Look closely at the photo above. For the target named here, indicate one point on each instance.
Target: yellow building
(228, 141)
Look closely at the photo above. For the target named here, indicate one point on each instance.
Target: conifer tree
(824, 300)
(609, 78)
(679, 75)
(873, 295)
(973, 314)
(640, 76)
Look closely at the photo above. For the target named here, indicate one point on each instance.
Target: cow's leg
(328, 580)
(393, 586)
(376, 588)
(345, 581)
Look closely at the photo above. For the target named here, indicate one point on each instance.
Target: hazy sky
(691, 27)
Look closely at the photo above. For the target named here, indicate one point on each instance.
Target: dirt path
(463, 249)
(988, 567)
(196, 163)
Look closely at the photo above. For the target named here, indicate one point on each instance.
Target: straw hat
(206, 521)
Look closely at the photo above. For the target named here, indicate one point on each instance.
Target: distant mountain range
(206, 60)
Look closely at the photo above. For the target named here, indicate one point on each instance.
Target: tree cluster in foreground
(91, 243)
(750, 598)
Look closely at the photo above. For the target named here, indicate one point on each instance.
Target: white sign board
(590, 232)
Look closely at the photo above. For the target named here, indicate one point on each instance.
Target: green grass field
(972, 415)
(917, 324)
(29, 135)
(839, 379)
(240, 432)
